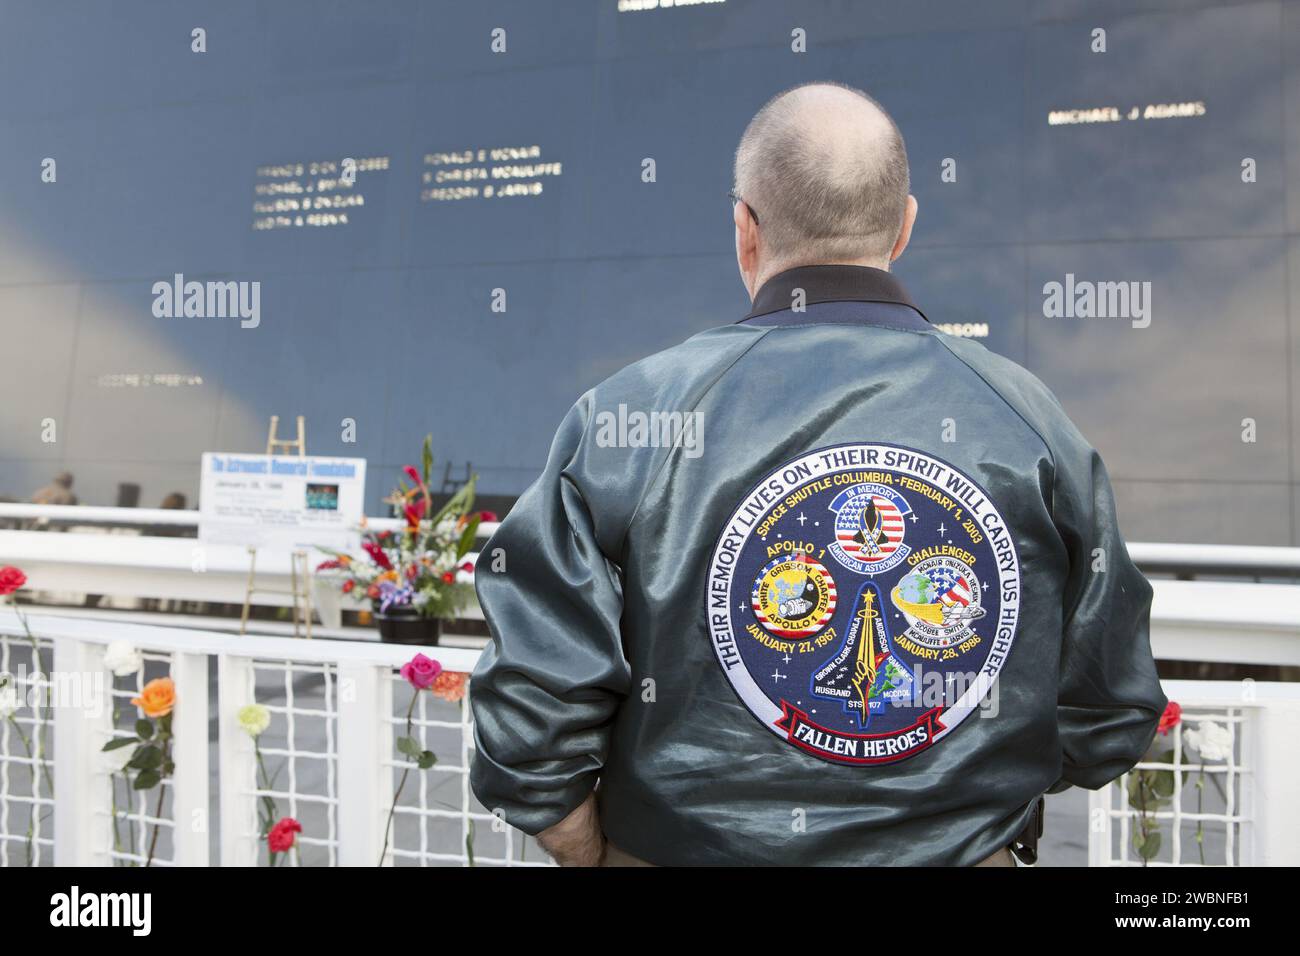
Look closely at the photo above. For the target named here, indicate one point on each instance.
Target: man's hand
(576, 840)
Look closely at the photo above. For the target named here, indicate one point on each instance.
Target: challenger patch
(862, 599)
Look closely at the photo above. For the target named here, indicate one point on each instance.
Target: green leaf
(1163, 784)
(426, 459)
(459, 503)
(118, 743)
(1151, 846)
(409, 746)
(146, 779)
(467, 537)
(426, 760)
(469, 843)
(147, 757)
(143, 729)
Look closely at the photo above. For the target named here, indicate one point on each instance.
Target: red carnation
(11, 579)
(467, 567)
(488, 516)
(449, 577)
(348, 586)
(283, 835)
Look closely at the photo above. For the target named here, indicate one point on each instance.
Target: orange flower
(450, 685)
(158, 697)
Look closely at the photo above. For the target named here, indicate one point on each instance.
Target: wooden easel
(300, 581)
(300, 443)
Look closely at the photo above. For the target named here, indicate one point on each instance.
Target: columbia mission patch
(862, 599)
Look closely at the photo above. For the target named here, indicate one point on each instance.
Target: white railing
(328, 758)
(338, 706)
(1219, 788)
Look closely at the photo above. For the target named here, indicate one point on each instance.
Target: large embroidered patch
(862, 599)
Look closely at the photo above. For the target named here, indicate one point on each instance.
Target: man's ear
(746, 244)
(905, 234)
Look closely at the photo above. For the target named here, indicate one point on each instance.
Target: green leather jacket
(861, 601)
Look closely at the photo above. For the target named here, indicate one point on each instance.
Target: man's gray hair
(824, 169)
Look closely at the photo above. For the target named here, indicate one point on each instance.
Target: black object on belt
(1025, 845)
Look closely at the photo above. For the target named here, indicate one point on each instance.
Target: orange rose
(450, 685)
(158, 697)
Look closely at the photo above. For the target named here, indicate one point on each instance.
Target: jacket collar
(830, 284)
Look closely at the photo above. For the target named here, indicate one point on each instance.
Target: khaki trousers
(616, 857)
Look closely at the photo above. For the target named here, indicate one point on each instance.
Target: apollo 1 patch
(862, 600)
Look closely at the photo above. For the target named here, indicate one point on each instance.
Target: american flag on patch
(879, 531)
(951, 586)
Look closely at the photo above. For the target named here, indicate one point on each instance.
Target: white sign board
(281, 502)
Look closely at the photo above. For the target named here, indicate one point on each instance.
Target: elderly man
(856, 595)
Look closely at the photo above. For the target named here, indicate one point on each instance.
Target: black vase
(405, 625)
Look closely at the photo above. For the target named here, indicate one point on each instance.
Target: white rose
(115, 761)
(9, 702)
(122, 658)
(1212, 741)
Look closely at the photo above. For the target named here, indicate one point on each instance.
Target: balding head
(824, 170)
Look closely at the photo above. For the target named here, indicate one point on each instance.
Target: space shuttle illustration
(866, 662)
(863, 675)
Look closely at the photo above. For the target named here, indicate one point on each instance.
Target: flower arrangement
(422, 568)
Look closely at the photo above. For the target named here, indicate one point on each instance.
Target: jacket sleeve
(1109, 700)
(547, 687)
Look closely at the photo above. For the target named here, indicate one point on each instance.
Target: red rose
(449, 577)
(282, 836)
(1170, 718)
(11, 579)
(348, 586)
(411, 572)
(467, 567)
(488, 516)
